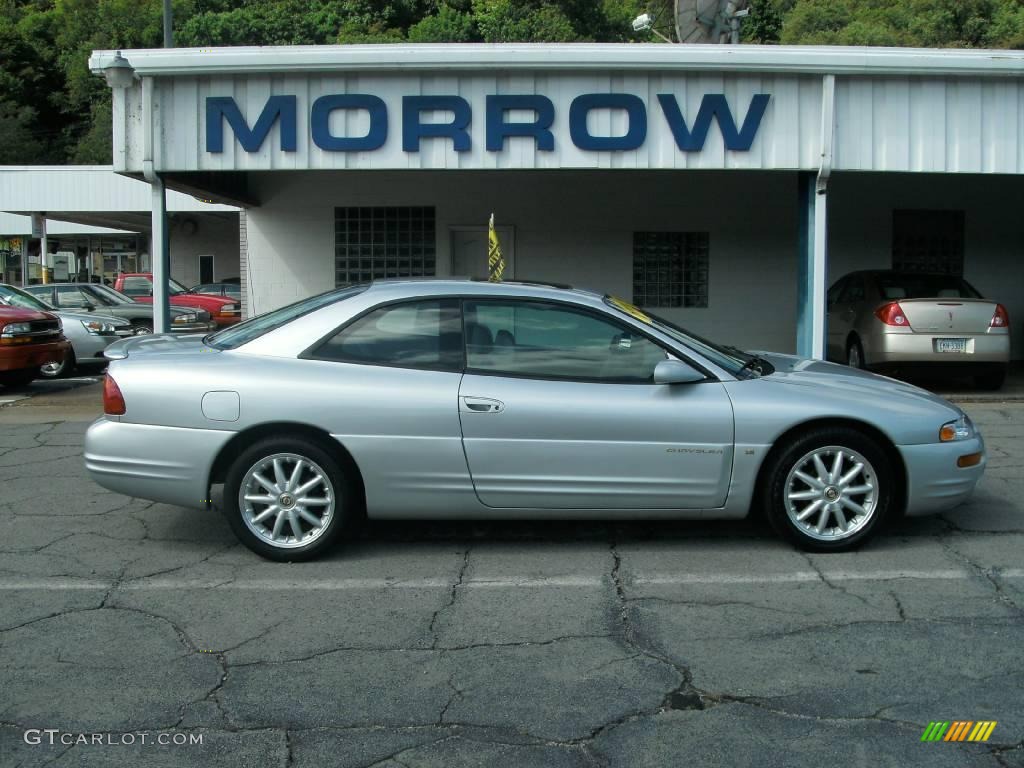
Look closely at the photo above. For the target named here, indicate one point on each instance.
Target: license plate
(951, 345)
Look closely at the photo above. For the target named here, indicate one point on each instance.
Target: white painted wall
(217, 235)
(570, 226)
(860, 229)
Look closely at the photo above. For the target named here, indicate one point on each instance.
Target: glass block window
(374, 243)
(670, 269)
(928, 241)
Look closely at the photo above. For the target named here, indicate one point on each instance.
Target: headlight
(961, 429)
(13, 329)
(184, 319)
(98, 328)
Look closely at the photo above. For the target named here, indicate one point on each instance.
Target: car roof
(466, 286)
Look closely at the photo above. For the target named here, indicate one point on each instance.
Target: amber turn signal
(970, 460)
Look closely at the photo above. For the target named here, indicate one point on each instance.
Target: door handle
(482, 405)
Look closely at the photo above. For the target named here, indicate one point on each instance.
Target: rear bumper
(894, 348)
(16, 358)
(934, 481)
(166, 464)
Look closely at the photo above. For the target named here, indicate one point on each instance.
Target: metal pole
(168, 25)
(160, 257)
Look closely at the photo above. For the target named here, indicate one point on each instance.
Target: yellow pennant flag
(495, 258)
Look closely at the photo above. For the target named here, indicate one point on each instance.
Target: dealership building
(724, 187)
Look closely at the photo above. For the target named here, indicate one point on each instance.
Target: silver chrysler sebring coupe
(460, 399)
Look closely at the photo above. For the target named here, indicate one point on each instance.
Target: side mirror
(88, 306)
(676, 372)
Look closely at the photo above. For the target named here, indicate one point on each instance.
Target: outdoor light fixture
(119, 72)
(642, 22)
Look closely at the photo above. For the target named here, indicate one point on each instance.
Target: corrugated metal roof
(571, 56)
(92, 188)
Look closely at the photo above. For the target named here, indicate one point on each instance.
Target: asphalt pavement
(140, 634)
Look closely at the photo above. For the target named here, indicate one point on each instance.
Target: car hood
(157, 344)
(841, 380)
(19, 315)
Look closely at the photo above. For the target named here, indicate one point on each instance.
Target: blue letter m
(713, 105)
(220, 108)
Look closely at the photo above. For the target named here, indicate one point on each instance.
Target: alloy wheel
(831, 493)
(287, 500)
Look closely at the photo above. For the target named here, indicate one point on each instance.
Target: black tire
(791, 455)
(990, 381)
(142, 328)
(19, 378)
(342, 489)
(854, 353)
(66, 368)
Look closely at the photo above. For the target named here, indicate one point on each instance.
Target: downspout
(820, 262)
(159, 256)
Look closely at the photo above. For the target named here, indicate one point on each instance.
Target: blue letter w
(220, 108)
(713, 105)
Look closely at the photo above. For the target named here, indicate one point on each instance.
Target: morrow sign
(283, 111)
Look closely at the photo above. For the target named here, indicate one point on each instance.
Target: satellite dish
(709, 21)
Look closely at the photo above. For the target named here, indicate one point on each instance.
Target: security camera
(642, 22)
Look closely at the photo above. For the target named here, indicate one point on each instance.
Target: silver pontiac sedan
(460, 399)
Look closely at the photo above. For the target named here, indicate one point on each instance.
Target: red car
(28, 339)
(139, 285)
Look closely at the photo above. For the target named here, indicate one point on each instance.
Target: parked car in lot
(902, 320)
(89, 334)
(28, 339)
(463, 399)
(229, 290)
(86, 297)
(139, 286)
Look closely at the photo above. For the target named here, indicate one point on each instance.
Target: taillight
(1000, 318)
(892, 314)
(113, 400)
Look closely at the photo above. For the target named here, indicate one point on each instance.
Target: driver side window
(553, 341)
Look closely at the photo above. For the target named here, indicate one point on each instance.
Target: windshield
(899, 285)
(728, 358)
(176, 287)
(13, 297)
(106, 295)
(236, 335)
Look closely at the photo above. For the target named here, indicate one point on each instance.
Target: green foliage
(53, 109)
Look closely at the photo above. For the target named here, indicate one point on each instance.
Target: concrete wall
(570, 226)
(860, 229)
(213, 234)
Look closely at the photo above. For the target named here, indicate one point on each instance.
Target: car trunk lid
(954, 315)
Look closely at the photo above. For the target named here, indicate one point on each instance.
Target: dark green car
(90, 297)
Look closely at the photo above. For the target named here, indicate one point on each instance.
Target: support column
(160, 257)
(805, 264)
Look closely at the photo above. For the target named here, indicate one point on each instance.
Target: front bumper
(16, 358)
(89, 347)
(209, 327)
(934, 481)
(167, 464)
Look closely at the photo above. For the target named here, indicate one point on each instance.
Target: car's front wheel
(288, 499)
(829, 490)
(57, 370)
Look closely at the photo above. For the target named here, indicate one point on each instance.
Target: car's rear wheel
(829, 490)
(288, 499)
(58, 370)
(854, 354)
(991, 381)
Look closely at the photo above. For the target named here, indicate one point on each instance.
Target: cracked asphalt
(539, 644)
